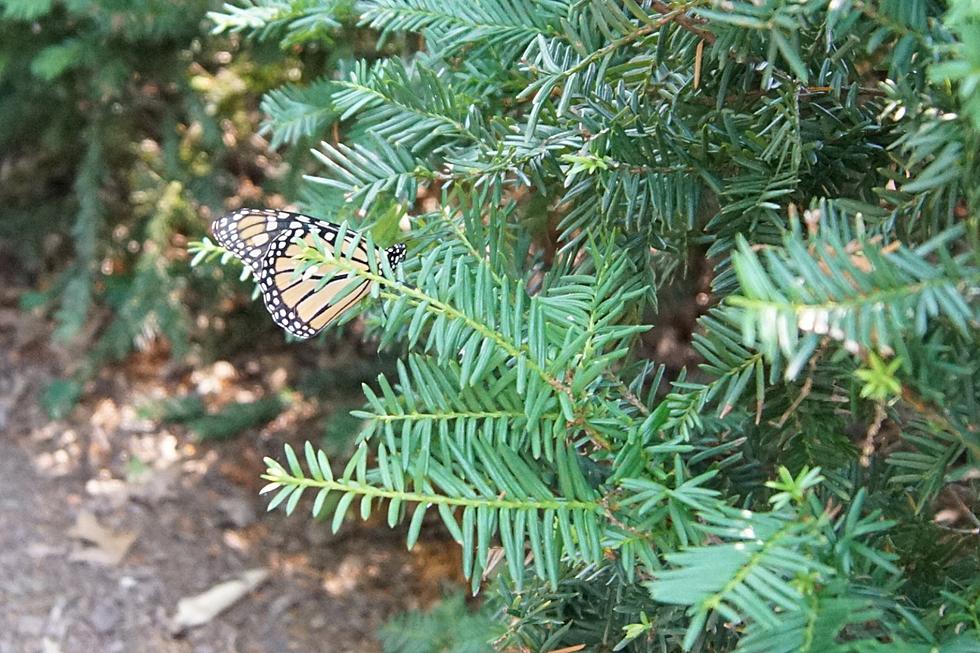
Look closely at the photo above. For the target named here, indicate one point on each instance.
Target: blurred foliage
(812, 485)
(449, 627)
(226, 422)
(124, 128)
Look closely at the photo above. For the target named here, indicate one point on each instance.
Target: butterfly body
(302, 299)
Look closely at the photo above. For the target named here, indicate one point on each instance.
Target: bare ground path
(194, 519)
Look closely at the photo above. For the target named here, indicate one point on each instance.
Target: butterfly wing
(302, 303)
(249, 233)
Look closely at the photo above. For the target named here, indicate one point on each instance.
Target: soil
(192, 509)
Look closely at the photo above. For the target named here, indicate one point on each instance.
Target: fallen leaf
(41, 550)
(239, 511)
(49, 645)
(199, 609)
(109, 547)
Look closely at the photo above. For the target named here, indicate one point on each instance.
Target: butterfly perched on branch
(302, 298)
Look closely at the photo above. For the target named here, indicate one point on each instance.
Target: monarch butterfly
(267, 241)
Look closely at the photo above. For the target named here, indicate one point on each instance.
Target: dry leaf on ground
(49, 645)
(109, 547)
(199, 609)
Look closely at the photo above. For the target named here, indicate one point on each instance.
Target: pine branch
(524, 516)
(867, 297)
(278, 478)
(451, 25)
(363, 174)
(584, 151)
(682, 19)
(294, 113)
(755, 576)
(417, 108)
(300, 20)
(733, 369)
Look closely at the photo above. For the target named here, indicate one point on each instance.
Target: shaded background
(139, 395)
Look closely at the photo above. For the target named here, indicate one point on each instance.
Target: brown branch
(804, 391)
(802, 92)
(937, 415)
(868, 448)
(628, 394)
(685, 21)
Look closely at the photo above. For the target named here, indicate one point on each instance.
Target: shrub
(123, 126)
(812, 484)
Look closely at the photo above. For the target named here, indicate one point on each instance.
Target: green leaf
(60, 396)
(415, 526)
(55, 60)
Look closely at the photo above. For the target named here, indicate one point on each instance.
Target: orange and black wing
(271, 243)
(303, 303)
(249, 233)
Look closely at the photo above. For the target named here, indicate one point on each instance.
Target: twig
(685, 21)
(804, 391)
(628, 394)
(869, 439)
(965, 508)
(804, 91)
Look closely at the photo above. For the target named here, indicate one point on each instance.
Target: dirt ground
(108, 519)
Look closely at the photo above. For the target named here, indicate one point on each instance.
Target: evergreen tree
(812, 485)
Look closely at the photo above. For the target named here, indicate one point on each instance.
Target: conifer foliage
(812, 485)
(120, 125)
